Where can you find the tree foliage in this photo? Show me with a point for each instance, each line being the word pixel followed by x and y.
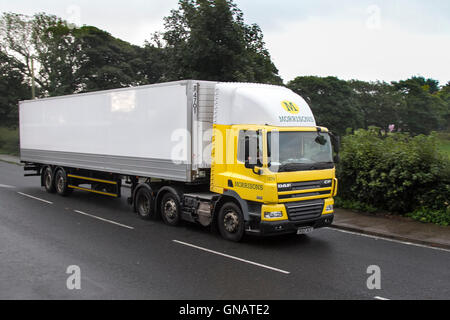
pixel 208 39
pixel 69 60
pixel 424 110
pixel 12 89
pixel 106 62
pixel 409 105
pixel 23 41
pixel 331 101
pixel 379 103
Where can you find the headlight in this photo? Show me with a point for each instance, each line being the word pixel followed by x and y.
pixel 329 208
pixel 273 215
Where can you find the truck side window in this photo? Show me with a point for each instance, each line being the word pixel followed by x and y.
pixel 254 136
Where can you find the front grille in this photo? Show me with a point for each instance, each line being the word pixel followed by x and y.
pixel 305 194
pixel 304 185
pixel 304 210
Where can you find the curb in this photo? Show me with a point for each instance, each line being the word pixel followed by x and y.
pixel 11 162
pixel 391 236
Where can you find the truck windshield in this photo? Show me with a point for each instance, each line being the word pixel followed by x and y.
pixel 297 151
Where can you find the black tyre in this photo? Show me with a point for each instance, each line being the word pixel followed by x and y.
pixel 144 204
pixel 47 179
pixel 170 209
pixel 231 222
pixel 61 184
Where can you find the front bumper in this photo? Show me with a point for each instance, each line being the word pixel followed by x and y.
pixel 267 228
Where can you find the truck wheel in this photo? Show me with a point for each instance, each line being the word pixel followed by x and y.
pixel 47 178
pixel 61 184
pixel 170 209
pixel 144 204
pixel 231 222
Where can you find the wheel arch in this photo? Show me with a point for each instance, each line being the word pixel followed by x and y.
pixel 232 196
pixel 177 191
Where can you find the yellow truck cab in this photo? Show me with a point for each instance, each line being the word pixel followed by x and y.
pixel 270 157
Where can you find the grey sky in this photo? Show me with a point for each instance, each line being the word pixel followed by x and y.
pixel 361 39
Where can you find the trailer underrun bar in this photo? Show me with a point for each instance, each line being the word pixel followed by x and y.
pixel 115 195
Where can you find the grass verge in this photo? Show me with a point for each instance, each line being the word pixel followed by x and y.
pixel 9 141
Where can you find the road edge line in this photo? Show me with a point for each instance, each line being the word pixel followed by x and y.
pixel 399 239
pixel 103 219
pixel 33 197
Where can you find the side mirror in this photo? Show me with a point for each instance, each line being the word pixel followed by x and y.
pixel 321 140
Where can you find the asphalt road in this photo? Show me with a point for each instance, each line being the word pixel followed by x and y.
pixel 123 257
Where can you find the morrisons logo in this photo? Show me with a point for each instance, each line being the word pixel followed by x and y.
pixel 248 185
pixel 295 119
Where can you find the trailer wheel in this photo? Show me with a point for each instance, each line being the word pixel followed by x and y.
pixel 61 183
pixel 170 209
pixel 144 204
pixel 47 178
pixel 231 222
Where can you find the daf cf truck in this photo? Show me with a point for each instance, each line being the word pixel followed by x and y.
pixel 245 158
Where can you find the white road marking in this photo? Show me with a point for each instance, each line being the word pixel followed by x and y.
pixel 102 219
pixel 232 257
pixel 380 298
pixel 387 239
pixel 27 195
pixel 6 186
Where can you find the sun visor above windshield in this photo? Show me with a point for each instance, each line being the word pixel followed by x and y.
pixel 248 103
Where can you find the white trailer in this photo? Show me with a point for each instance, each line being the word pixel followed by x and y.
pixel 152 131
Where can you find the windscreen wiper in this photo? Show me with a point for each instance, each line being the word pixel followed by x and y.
pixel 321 165
pixel 293 167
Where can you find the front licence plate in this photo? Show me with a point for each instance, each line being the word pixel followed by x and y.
pixel 304 230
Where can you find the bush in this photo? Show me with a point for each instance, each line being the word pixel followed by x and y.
pixel 394 172
pixel 441 217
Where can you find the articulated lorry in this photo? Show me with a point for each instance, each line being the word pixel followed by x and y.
pixel 243 158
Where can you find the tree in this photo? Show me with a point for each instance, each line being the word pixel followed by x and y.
pixel 330 100
pixel 208 40
pixel 21 40
pixel 12 89
pixel 154 61
pixel 60 61
pixel 379 103
pixel 444 95
pixel 430 85
pixel 423 112
pixel 70 60
pixel 106 62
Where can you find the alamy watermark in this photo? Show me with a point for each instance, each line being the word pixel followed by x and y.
pixel 73 282
pixel 73 16
pixel 373 21
pixel 374 280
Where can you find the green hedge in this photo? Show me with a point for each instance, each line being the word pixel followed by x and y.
pixel 394 172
